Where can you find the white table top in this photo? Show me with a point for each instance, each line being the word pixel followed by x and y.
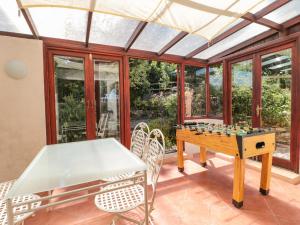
pixel 63 165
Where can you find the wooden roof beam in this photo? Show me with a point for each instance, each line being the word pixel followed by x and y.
pixel 138 30
pixel 268 23
pixel 173 42
pixel 88 29
pixel 273 6
pixel 29 20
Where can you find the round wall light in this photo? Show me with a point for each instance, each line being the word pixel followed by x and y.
pixel 16 69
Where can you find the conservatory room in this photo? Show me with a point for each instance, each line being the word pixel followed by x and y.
pixel 161 112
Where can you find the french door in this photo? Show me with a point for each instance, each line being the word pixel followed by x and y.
pixel 263 88
pixel 275 105
pixel 84 97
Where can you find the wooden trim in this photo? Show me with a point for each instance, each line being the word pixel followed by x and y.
pixel 29 20
pixel 75 46
pixel 296 128
pixel 225 92
pixel 126 100
pixel 182 92
pixel 17 35
pixel 207 91
pixel 273 6
pixel 89 91
pixel 47 96
pixel 291 22
pixel 88 28
pixel 138 30
pixel 173 42
pixel 256 89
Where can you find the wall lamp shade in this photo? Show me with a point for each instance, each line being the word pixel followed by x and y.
pixel 16 69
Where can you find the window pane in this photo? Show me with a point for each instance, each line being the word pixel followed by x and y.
pixel 276 98
pixel 11 20
pixel 286 12
pixel 107 98
pixel 195 91
pixel 187 45
pixel 242 92
pixel 111 30
pixel 216 90
pixel 154 37
pixel 69 99
pixel 60 23
pixel 153 97
pixel 234 39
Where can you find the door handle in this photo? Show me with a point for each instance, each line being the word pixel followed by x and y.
pixel 258 110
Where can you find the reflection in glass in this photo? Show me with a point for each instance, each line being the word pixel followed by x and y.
pixel 195 91
pixel 242 92
pixel 153 97
pixel 216 90
pixel 107 99
pixel 69 99
pixel 276 98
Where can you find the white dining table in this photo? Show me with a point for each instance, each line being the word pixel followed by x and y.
pixel 69 164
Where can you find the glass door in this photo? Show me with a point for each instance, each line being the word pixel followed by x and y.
pixel 107 98
pixel 70 107
pixel 242 92
pixel 275 111
pixel 84 97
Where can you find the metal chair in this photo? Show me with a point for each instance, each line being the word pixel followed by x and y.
pixel 139 138
pixel 125 199
pixel 138 147
pixel 4 188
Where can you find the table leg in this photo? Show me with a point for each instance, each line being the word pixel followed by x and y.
pixel 238 182
pixel 203 156
pixel 146 199
pixel 265 177
pixel 180 160
pixel 9 211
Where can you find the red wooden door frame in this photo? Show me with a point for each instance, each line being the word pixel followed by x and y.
pixel 89 92
pixel 123 137
pixel 50 93
pixel 293 163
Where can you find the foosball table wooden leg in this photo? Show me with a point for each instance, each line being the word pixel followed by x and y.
pixel 203 156
pixel 265 177
pixel 238 182
pixel 180 159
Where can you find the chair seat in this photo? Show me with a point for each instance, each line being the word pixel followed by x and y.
pixel 120 200
pixel 20 199
pixel 119 177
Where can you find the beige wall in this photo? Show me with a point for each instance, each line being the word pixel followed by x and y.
pixel 22 107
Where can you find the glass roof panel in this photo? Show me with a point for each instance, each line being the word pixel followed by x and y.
pixel 11 20
pixel 261 5
pixel 184 15
pixel 187 45
pixel 234 39
pixel 111 30
pixel 154 37
pixel 286 12
pixel 60 22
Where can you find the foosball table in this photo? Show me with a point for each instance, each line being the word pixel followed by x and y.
pixel 236 141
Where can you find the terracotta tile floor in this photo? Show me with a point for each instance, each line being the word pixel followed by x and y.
pixel 197 196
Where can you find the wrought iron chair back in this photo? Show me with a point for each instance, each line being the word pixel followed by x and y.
pixel 154 160
pixel 139 138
